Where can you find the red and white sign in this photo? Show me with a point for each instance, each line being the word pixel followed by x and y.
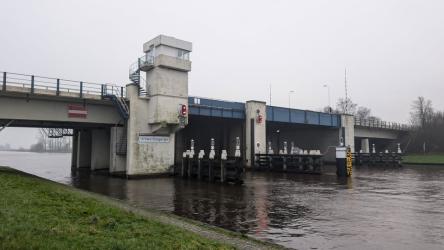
pixel 259 118
pixel 77 111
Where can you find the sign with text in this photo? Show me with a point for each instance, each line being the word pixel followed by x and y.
pixel 77 111
pixel 145 139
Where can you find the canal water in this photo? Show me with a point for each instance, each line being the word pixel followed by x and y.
pixel 378 208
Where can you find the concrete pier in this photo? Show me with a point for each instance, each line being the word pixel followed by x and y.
pixel 100 150
pixel 84 149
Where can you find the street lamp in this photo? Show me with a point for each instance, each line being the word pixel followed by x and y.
pixel 289 94
pixel 329 101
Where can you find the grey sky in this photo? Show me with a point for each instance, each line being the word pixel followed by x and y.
pixel 393 50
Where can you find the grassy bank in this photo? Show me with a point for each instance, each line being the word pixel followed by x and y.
pixel 437 159
pixel 36 213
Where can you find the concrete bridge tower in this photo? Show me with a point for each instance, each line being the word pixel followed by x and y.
pixel 156 115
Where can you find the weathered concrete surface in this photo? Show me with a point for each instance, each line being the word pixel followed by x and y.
pixel 100 141
pixel 252 110
pixel 348 131
pixel 117 163
pixel 146 159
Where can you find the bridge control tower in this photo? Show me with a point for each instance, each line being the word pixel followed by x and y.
pixel 158 106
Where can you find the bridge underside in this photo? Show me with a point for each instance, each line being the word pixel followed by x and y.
pixel 202 128
pixel 306 137
pixel 54 124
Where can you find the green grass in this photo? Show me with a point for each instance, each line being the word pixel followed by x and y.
pixel 424 159
pixel 37 214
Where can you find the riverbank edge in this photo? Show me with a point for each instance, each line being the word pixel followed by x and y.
pixel 210 232
pixel 427 159
pixel 423 164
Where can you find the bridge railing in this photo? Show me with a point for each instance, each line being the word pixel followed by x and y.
pixel 15 82
pixel 373 123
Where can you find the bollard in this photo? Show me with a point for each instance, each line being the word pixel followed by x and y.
pixel 270 149
pixel 284 164
pixel 211 160
pixel 399 148
pixel 190 159
pixel 199 164
pixel 184 157
pixel 223 158
pixel 237 153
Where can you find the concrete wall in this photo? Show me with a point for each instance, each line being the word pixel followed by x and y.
pixel 168 41
pixel 348 130
pixel 117 163
pixel 252 110
pixel 100 150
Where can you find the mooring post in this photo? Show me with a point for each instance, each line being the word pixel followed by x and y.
pixel 199 164
pixel 191 159
pixel 223 160
pixel 211 160
pixel 184 158
pixel 284 163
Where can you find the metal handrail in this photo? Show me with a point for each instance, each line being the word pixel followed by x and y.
pixel 144 60
pixel 372 123
pixel 30 83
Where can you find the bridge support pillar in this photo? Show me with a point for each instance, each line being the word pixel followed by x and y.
pixel 348 131
pixel 100 141
pixel 365 145
pixel 118 148
pixel 255 130
pixel 75 138
pixel 83 151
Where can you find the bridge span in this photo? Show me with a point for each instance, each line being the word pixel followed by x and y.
pixel 144 127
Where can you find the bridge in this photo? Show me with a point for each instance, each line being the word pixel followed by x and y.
pixel 143 128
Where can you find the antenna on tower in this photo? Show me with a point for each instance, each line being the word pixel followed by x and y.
pixel 346 91
pixel 270 93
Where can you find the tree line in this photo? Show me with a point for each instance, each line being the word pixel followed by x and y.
pixel 427 135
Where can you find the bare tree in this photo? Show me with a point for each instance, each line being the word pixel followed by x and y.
pixel 346 106
pixel 422 112
pixel 363 113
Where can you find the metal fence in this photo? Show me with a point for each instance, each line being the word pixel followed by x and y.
pixel 372 123
pixel 15 82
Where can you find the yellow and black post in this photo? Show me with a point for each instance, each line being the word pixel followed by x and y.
pixel 344 163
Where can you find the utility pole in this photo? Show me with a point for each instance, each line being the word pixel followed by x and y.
pixel 270 93
pixel 346 91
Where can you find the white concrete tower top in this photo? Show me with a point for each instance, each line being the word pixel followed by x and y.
pixel 167 45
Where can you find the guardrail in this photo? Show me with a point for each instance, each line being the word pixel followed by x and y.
pixel 32 84
pixel 143 61
pixel 370 123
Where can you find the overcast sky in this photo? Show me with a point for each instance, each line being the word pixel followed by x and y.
pixel 393 50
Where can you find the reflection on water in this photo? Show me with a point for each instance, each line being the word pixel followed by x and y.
pixel 389 208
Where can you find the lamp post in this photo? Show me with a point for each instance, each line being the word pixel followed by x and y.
pixel 329 101
pixel 289 95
